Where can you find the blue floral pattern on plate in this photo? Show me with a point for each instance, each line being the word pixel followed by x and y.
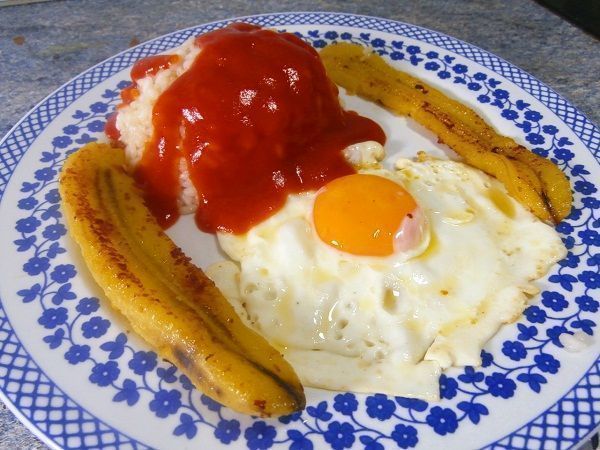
pixel 75 324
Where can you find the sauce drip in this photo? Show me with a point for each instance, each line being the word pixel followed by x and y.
pixel 142 68
pixel 255 118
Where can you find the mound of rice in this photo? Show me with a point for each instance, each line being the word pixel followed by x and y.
pixel 134 121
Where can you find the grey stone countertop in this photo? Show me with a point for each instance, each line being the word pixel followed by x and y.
pixel 43 45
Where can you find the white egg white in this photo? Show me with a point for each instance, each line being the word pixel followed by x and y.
pixel 391 325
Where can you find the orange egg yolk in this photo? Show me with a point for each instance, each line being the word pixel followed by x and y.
pixel 362 214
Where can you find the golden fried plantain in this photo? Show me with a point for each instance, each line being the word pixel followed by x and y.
pixel 535 182
pixel 168 301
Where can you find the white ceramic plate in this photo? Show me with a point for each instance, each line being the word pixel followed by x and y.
pixel 70 369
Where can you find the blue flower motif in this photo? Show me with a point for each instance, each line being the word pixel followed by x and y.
pixel 500 94
pixel 186 383
pixel 554 300
pixel 547 363
pixel 99 107
pixel 486 359
pixel 25 244
pixel 397 56
pixel 54 340
pixel 526 127
pixel 52 196
pixel 550 129
pixel 370 443
pixel 260 436
pixel 587 303
pixel 412 403
pixel 432 65
pixel 459 68
pixel 471 375
pixel 564 154
pixel 54 232
pixel 95 327
pixel 535 139
pixel 319 43
pixel 405 436
pixel 63 293
pixel 88 305
pixel 95 126
pixel 210 403
pixel 521 105
pixel 474 410
pixel 570 260
pixel 62 141
pixel 591 202
pixel 63 273
pixel 29 187
pixel 379 406
pixel 585 325
pixel 79 114
pixel 188 427
pixel 534 116
pixel 36 265
pixel 345 403
pixel 85 139
pixel 515 350
pixel 500 386
pixel 53 317
pixel 585 187
pixel 480 76
pixel 535 314
pixel 123 84
pixel 563 141
pixel 71 129
pixel 52 212
pixel 116 347
pixel 442 420
pixel 534 380
pixel 473 86
pixel 526 332
pixel 128 393
pixel 590 279
pixel 319 412
pixel 443 74
pixel 142 362
pixel 448 386
pixel 510 114
pixel 291 418
pixel 77 353
pixel 413 49
pixel 27 225
pixel 493 83
pixel 168 374
pixel 346 36
pixel 27 204
pixel 432 55
pixel 227 431
pixel 331 35
pixel 165 402
pixel 104 374
pixel 590 237
pixel 554 333
pixel 377 42
pixel 30 294
pixel 483 99
pixel 339 435
pixel 540 151
pixel 594 260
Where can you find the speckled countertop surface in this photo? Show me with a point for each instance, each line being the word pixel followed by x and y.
pixel 44 45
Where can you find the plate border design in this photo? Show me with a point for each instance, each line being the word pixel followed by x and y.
pixel 24 133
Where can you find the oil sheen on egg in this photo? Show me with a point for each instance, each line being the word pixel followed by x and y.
pixel 351 314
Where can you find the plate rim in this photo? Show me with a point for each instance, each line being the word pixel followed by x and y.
pixel 320 14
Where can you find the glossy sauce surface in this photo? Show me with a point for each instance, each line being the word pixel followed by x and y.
pixel 255 118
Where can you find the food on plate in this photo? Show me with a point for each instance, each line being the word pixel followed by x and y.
pixel 536 182
pixel 365 278
pixel 167 300
pixel 237 120
pixel 373 311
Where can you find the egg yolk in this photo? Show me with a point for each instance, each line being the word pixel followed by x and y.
pixel 362 214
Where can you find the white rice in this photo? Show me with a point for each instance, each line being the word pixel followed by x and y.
pixel 134 121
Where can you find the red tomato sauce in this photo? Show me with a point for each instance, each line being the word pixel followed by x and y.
pixel 255 118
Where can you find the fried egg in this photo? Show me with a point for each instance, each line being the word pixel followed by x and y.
pixel 382 279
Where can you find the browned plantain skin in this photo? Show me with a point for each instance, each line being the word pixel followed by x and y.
pixel 535 182
pixel 167 300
